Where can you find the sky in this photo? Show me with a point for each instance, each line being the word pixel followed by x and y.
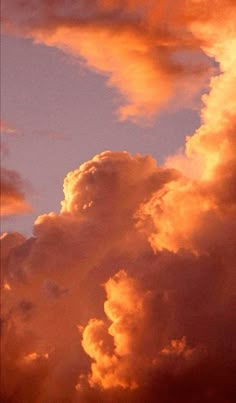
pixel 118 201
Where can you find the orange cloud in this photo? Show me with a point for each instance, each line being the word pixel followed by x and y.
pixel 12 197
pixel 163 314
pixel 124 308
pixel 181 210
pixel 166 327
pixel 144 53
pixel 6 128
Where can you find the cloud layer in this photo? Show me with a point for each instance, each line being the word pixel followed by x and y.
pixel 128 294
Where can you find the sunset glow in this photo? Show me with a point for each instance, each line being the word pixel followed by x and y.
pixel 125 291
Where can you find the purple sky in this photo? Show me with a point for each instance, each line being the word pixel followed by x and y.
pixel 64 115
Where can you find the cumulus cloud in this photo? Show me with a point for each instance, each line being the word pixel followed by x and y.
pixel 13 200
pixel 128 294
pixel 124 308
pixel 182 209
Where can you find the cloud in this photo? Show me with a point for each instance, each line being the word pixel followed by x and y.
pixel 168 315
pixel 13 200
pixel 128 294
pixel 6 128
pixel 149 55
pixel 50 134
pixel 124 308
pixel 4 150
pixel 182 209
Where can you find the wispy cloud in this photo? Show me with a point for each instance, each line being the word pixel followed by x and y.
pixel 50 134
pixel 6 128
pixel 13 201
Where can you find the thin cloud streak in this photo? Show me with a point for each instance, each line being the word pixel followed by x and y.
pixel 6 128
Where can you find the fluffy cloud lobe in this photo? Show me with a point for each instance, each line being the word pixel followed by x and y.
pixel 128 294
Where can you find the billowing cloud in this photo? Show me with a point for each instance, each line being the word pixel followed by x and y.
pixel 181 210
pixel 13 200
pixel 169 315
pixel 124 308
pixel 128 294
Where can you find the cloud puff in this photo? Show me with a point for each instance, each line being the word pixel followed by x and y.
pixel 6 128
pixel 12 195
